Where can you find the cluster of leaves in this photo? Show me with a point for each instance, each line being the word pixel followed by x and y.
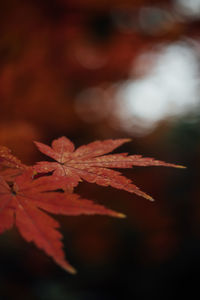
pixel 27 191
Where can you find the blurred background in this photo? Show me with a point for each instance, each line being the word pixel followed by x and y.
pixel 93 70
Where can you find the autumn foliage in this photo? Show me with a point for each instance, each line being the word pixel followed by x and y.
pixel 28 192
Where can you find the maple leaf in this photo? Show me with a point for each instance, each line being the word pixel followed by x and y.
pixel 21 203
pixel 90 163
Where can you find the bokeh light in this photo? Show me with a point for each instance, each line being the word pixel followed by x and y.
pixel 170 89
pixel 189 8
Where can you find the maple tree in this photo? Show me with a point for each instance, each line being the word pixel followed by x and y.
pixel 26 192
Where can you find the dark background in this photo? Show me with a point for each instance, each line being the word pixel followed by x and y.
pixel 61 63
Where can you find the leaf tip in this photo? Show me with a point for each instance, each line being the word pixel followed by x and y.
pixel 122 216
pixel 181 167
pixel 66 266
pixel 70 270
pixel 149 198
pixel 127 140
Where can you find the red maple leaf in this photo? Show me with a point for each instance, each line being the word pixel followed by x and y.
pixel 21 203
pixel 90 163
pixel 25 194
